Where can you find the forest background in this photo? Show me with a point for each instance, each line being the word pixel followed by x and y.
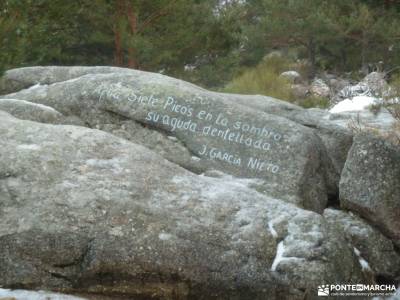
pixel 220 45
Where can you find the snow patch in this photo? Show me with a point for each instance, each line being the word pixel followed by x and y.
pixel 112 165
pixel 172 138
pixel 280 251
pixel 357 103
pixel 364 264
pixel 35 295
pixel 29 147
pixel 164 236
pixel 37 85
pixel 71 80
pixel 227 183
pixel 272 229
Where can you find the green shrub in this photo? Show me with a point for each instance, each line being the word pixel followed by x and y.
pixel 263 79
pixel 314 101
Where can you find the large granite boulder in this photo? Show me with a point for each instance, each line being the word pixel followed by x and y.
pixel 337 139
pixel 376 252
pixel 200 130
pixel 84 211
pixel 370 183
pixel 31 77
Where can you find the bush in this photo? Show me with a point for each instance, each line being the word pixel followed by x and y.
pixel 314 101
pixel 263 79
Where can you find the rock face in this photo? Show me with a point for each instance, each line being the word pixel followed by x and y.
pixel 103 215
pixel 122 184
pixel 300 91
pixel 350 91
pixel 337 139
pixel 376 82
pixel 376 252
pixel 291 76
pixel 320 88
pixel 207 131
pixel 370 183
pixel 6 294
pixel 22 78
pixel 30 111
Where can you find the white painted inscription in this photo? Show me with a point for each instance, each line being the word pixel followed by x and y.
pixel 176 116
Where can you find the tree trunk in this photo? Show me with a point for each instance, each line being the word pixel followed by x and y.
pixel 132 19
pixel 343 56
pixel 118 51
pixel 312 57
pixel 364 46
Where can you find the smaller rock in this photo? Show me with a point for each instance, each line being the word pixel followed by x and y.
pixel 337 84
pixel 320 88
pixel 275 53
pixel 370 183
pixel 376 82
pixel 375 249
pixel 291 76
pixel 300 91
pixel 351 91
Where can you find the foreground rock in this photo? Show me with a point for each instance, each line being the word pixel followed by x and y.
pixel 200 130
pixel 31 295
pixel 370 183
pixel 83 211
pixel 376 252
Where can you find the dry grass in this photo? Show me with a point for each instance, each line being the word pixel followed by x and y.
pixel 264 79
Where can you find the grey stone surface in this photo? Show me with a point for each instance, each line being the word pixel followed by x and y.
pixel 211 131
pixel 337 140
pixel 377 83
pixel 291 76
pixel 376 249
pixel 84 211
pixel 381 121
pixel 370 183
pixel 319 88
pixel 300 91
pixel 30 111
pixel 21 78
pixel 8 294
